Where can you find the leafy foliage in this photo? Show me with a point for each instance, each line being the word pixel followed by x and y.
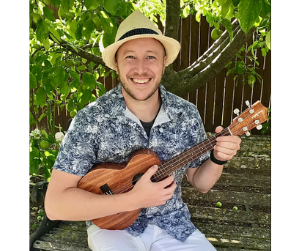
pixel 68 36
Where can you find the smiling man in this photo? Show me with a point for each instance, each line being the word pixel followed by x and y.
pixel 139 113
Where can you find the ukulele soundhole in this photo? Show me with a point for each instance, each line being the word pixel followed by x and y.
pixel 136 178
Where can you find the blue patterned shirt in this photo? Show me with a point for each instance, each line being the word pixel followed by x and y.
pixel 106 131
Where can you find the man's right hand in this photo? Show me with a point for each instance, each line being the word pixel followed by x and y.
pixel 149 194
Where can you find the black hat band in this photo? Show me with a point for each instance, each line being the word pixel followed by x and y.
pixel 139 31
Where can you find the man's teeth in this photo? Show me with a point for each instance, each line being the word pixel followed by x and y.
pixel 141 81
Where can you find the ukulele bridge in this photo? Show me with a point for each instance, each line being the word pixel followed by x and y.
pixel 106 190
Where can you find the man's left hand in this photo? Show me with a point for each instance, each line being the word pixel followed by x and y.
pixel 226 146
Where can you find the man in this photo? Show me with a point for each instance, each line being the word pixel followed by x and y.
pixel 138 113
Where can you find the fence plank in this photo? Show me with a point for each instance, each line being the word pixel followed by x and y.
pixel 194 50
pixel 185 34
pixel 259 70
pixel 219 98
pixel 108 81
pixel 209 106
pixel 238 93
pixel 201 101
pixel 176 64
pixel 267 81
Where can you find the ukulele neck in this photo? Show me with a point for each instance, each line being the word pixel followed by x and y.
pixel 187 156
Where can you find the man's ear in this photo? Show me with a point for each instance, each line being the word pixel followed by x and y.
pixel 116 64
pixel 165 59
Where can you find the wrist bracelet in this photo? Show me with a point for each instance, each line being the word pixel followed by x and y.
pixel 213 159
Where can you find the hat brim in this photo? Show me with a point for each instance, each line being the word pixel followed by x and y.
pixel 171 45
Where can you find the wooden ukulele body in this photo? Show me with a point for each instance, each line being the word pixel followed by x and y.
pixel 112 178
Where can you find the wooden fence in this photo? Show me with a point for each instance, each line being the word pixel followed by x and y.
pixel 217 99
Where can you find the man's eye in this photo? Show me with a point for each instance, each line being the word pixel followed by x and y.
pixel 151 57
pixel 131 57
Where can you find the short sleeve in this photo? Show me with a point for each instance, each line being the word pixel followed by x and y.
pixel 77 151
pixel 200 136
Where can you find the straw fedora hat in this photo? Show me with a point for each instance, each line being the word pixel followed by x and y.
pixel 136 25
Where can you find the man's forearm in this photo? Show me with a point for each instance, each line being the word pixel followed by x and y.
pixel 206 176
pixel 91 206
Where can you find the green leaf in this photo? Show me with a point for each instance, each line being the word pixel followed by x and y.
pixel 58 75
pixel 47 173
pixel 49 14
pixel 56 3
pixel 198 16
pixel 70 105
pixel 88 28
pixel 85 98
pixel 55 35
pixel 265 9
pixel 42 31
pixel 34 160
pixel 41 117
pixel 67 4
pixel 228 26
pixel 72 28
pixel 186 11
pixel 64 88
pixel 37 72
pixel 89 80
pixel 33 83
pixel 108 39
pixel 225 8
pixel 251 79
pixel 74 84
pixel 248 13
pixel 54 57
pixel 91 4
pixel 31 119
pixel 101 87
pixel 235 2
pixel 81 68
pixel 111 6
pixel 74 75
pixel 268 40
pixel 79 31
pixel 106 22
pixel 46 43
pixel 50 85
pixel 41 96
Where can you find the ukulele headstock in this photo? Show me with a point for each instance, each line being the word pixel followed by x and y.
pixel 252 117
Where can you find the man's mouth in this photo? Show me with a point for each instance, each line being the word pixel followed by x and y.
pixel 140 81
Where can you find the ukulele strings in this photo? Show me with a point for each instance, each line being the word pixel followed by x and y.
pixel 161 173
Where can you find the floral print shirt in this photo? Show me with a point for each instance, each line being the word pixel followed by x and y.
pixel 106 131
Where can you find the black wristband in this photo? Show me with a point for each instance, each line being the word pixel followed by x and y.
pixel 213 159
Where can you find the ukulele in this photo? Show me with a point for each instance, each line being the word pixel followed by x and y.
pixel 115 178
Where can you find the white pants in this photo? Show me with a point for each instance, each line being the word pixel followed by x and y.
pixel 153 239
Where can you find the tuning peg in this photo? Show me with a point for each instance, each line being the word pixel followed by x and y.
pixel 247 133
pixel 245 129
pixel 236 111
pixel 240 120
pixel 259 127
pixel 247 103
pixel 251 111
pixel 256 122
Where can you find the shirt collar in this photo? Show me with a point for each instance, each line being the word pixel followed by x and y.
pixel 117 106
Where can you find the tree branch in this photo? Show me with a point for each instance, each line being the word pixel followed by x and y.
pixel 209 55
pixel 82 53
pixel 190 84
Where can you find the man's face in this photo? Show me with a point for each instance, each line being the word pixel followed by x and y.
pixel 141 63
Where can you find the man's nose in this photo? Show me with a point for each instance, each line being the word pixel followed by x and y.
pixel 140 67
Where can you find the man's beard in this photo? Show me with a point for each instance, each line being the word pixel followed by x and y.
pixel 129 92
